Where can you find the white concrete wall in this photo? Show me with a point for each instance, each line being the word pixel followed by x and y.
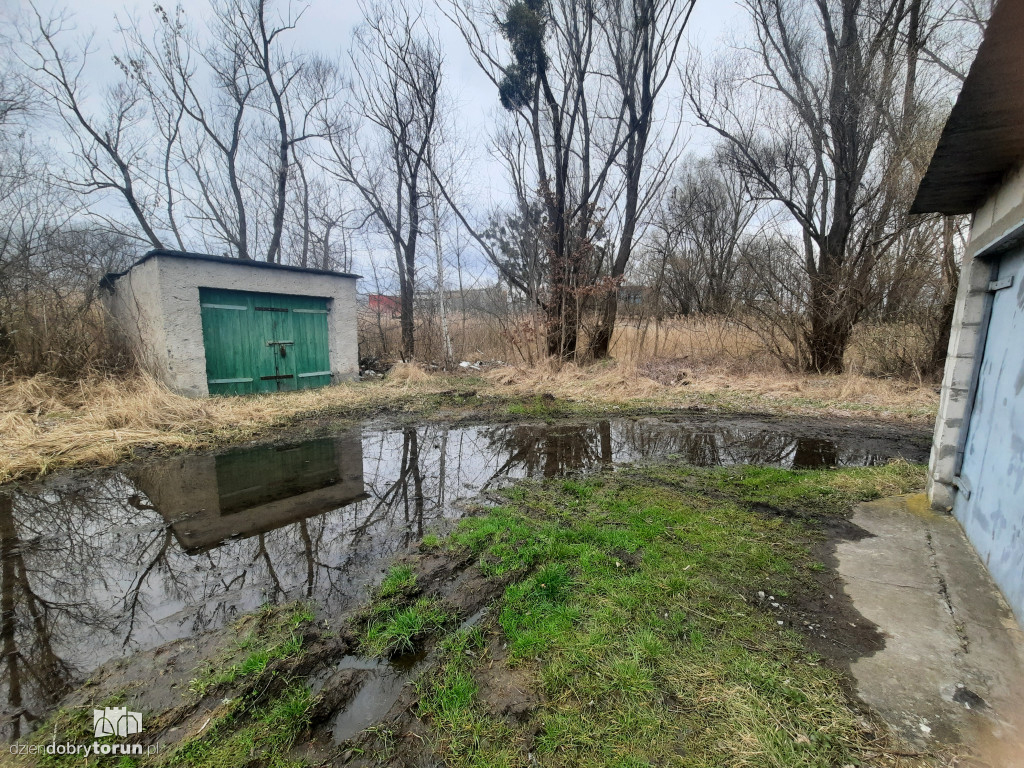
pixel 157 305
pixel 134 307
pixel 999 217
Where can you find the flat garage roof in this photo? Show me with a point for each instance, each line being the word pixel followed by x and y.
pixel 111 277
pixel 984 136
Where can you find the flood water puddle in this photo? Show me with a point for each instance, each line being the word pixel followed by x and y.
pixel 97 565
pixel 382 687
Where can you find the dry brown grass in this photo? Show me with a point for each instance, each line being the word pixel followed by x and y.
pixel 704 339
pixel 678 383
pixel 895 349
pixel 408 374
pixel 46 424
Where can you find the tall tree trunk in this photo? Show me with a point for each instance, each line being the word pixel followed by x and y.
pixel 951 276
pixel 830 324
pixel 449 354
pixel 281 190
pixel 304 255
pixel 562 321
pixel 408 285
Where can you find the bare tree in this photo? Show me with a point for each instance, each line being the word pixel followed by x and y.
pixel 643 40
pixel 397 92
pixel 947 34
pixel 112 147
pixel 581 88
pixel 233 107
pixel 704 231
pixel 825 79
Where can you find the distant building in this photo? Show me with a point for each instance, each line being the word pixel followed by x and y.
pixel 384 305
pixel 634 299
pixel 977 461
pixel 210 325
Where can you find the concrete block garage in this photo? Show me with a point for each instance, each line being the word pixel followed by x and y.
pixel 209 325
pixel 977 460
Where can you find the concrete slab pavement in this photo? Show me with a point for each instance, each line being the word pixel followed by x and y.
pixel 951 674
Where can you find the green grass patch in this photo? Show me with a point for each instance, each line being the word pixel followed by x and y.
pixel 430 541
pixel 399 581
pixel 244 734
pixel 270 634
pixel 538 406
pixel 447 700
pixel 398 632
pixel 248 730
pixel 827 491
pixel 628 604
pixel 396 620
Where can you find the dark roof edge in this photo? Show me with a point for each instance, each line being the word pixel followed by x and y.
pixel 982 141
pixel 111 277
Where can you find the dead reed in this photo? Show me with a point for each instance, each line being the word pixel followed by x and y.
pixel 46 423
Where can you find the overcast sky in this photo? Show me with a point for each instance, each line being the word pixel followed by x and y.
pixel 326 27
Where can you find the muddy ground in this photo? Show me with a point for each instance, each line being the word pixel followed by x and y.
pixel 162 682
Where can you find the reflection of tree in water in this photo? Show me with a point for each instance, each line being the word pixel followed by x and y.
pixel 549 450
pixel 91 568
pixel 811 453
pixel 26 624
pixel 720 444
pixel 541 450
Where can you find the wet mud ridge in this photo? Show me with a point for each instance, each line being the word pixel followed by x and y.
pixel 188 684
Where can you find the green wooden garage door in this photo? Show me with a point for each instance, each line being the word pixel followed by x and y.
pixel 263 342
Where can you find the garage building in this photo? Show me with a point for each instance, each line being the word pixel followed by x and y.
pixel 209 325
pixel 977 460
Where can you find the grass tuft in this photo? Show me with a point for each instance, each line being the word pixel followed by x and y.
pixel 266 636
pixel 397 632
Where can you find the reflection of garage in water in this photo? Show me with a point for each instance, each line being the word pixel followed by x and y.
pixel 209 498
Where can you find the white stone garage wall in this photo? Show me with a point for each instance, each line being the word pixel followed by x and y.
pixel 133 305
pixel 998 219
pixel 156 305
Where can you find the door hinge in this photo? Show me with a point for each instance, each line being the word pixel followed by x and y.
pixel 961 484
pixel 998 285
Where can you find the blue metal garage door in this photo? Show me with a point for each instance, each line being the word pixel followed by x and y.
pixel 990 505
